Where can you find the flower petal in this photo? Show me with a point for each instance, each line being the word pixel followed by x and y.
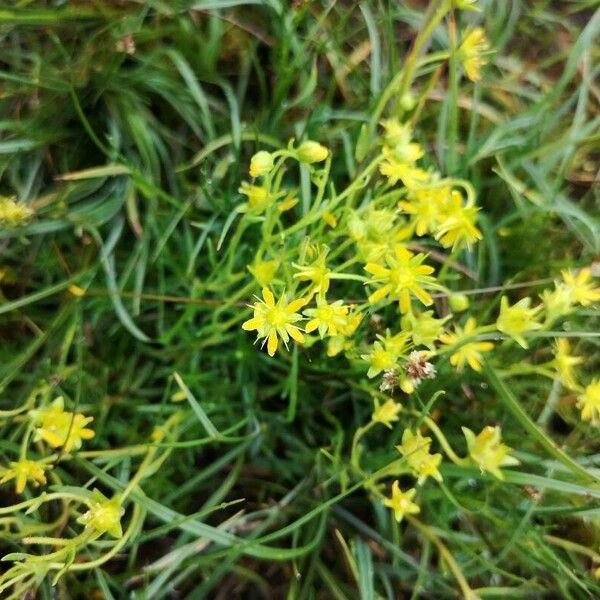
pixel 295 333
pixel 268 297
pixel 380 294
pixel 251 324
pixel 272 343
pixel 376 270
pixel 311 325
pixel 295 305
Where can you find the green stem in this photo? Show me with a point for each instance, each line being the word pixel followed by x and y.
pixel 354 455
pixel 402 81
pixel 451 161
pixel 441 438
pixel 466 590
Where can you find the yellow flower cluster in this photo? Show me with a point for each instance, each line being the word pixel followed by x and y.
pixel 58 428
pixel 377 242
pixel 412 202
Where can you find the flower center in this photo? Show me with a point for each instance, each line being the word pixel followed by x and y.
pixel 276 317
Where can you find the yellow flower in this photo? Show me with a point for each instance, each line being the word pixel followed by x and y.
pixel 338 343
pixel 335 345
pixel 316 272
pixel 405 275
pixel 272 319
pixel 470 53
pixel 487 451
pixel 469 353
pixel 58 427
pixel 557 302
pixel 401 502
pixel 424 328
pixel 13 213
pixel 104 515
pixel 516 320
pixel 563 362
pixel 580 286
pixel 457 223
pixel 376 232
pixel 589 403
pixel 264 271
pixel 423 464
pixel 396 170
pixel 425 204
pixel 357 226
pixel 259 198
pixel 352 323
pixel 312 152
pixel 261 164
pixel 386 413
pixel 329 319
pixel 379 359
pixel 385 353
pixel 22 471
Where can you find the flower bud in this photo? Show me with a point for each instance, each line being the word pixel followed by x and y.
pixel 407 386
pixel 261 164
pixel 458 302
pixel 407 101
pixel 312 152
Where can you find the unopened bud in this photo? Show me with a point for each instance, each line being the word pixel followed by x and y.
pixel 312 152
pixel 261 164
pixel 458 302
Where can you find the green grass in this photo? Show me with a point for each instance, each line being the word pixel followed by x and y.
pixel 132 163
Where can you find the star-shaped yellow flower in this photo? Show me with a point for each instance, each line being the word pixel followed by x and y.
pixel 401 502
pixel 581 287
pixel 404 275
pixel 517 319
pixel 273 320
pixel 486 450
pixel 386 413
pixel 329 319
pixel 457 223
pixel 469 353
pixel 58 427
pixel 563 362
pixel 104 515
pixel 22 471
